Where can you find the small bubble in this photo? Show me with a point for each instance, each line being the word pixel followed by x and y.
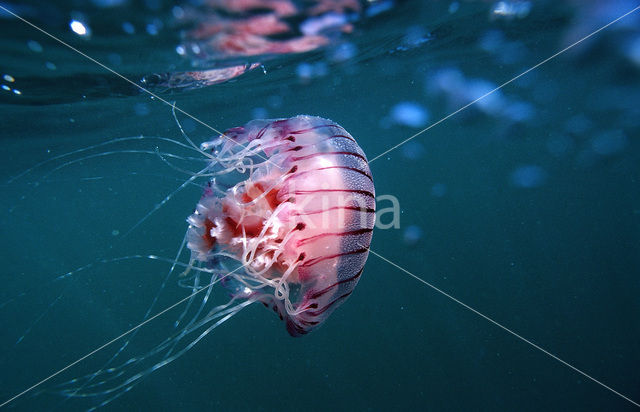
pixel 50 66
pixel 343 52
pixel 413 150
pixel 16 91
pixel 9 78
pixel 178 12
pixel 5 87
pixel 410 114
pixel 609 143
pixel 412 235
pixel 34 46
pixel 518 111
pixel 438 190
pixel 489 99
pixel 79 28
pixel 528 176
pixel 450 81
pixel 154 28
pixel 304 71
pixel 259 113
pixel 511 9
pixel 128 28
pixel 378 7
pixel 115 232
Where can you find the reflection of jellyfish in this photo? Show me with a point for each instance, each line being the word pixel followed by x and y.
pixel 286 219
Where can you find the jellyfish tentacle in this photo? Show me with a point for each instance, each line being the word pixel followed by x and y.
pixel 119 379
pixel 96 146
pixel 164 201
pixel 184 134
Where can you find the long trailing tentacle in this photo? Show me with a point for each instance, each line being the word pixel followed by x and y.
pixel 110 153
pixel 113 381
pixel 96 146
pixel 126 343
pixel 117 381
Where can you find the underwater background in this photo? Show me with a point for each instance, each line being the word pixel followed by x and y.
pixel 525 205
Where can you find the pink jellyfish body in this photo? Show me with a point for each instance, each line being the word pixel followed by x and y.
pixel 288 215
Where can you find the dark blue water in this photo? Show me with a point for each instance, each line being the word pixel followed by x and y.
pixel 524 206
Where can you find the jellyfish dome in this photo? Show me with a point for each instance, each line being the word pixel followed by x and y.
pixel 287 216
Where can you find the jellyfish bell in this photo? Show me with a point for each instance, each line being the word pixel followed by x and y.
pixel 298 224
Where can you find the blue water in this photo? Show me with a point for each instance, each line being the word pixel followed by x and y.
pixel 524 206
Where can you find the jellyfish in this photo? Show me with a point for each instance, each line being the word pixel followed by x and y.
pixel 285 219
pixel 300 224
